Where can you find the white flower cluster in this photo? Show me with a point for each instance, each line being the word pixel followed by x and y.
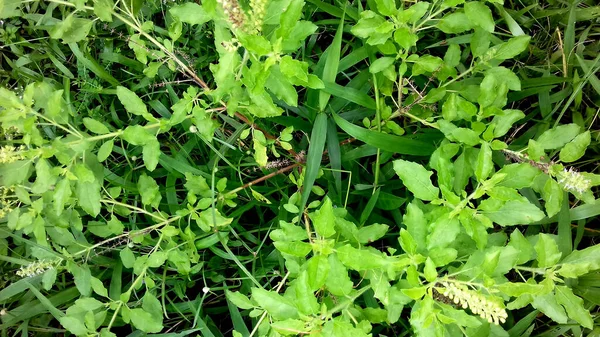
pixel 9 154
pixel 488 308
pixel 573 181
pixel 35 268
pixel 257 14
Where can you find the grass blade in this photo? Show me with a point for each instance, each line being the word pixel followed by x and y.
pixel 335 155
pixel 332 63
pixel 350 94
pixel 395 144
pixel 314 156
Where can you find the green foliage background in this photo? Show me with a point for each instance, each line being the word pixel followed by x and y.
pixel 282 167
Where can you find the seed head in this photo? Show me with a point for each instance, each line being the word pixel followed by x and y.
pixel 35 268
pixel 490 308
pixel 233 11
pixel 573 181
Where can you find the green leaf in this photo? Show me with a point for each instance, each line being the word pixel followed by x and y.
pixel 255 44
pixel 145 321
pixel 277 306
pixel 381 64
pixel 455 23
pixel 518 175
pixel 105 150
pixel 151 153
pixel 371 233
pixel 71 29
pixel 338 282
pixel 62 192
pixel 95 126
pixel 290 327
pixel 574 306
pixel 324 219
pixel 332 62
pixel 191 13
pixel 239 299
pixel 149 191
pixel 516 289
pixel 484 165
pixel 314 156
pixel 552 194
pixel 260 148
pixel 9 8
pixel 575 149
pixel 512 212
pixel 98 287
pixel 548 305
pixel 305 298
pixel 137 135
pixel 416 225
pixel 299 249
pixel 505 121
pixel 127 257
pixel 581 262
pixel 559 136
pixel 480 15
pixel 103 9
pixel 74 325
pixel 443 232
pixel 318 271
pixel 359 259
pixel 547 251
pixel 510 48
pixel 132 103
pixel 88 195
pixel 405 37
pixel 416 179
pixel 386 7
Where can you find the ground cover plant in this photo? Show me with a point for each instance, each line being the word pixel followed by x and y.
pixel 291 167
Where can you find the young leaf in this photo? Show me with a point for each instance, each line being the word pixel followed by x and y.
pixel 480 15
pixel 324 219
pixel 547 251
pixel 132 103
pixel 277 306
pixel 416 179
pixel 574 306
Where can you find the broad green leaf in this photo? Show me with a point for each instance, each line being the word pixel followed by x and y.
pixel 240 300
pixel 548 305
pixel 132 103
pixel 521 244
pixel 574 306
pixel 145 321
pixel 575 149
pixel 95 126
pixel 557 137
pixel 137 135
pixel 516 289
pixel 127 257
pixel 581 262
pixel 149 191
pixel 518 175
pixel 511 213
pixel 324 219
pixel 480 42
pixel 386 7
pixel 318 271
pixel 416 225
pixel 45 178
pixel 359 259
pixel 260 148
pixel 105 150
pixel 289 327
pixel 62 192
pixel 9 8
pixel 443 231
pixel 416 179
pixel 505 121
pixel 413 13
pixel 405 37
pixel 71 29
pixel 191 13
pixel 256 44
pixel 547 251
pixel 510 48
pixel 338 282
pixel 455 23
pixel 371 233
pixel 103 9
pixel 381 64
pixel 151 153
pixel 73 325
pixel 305 298
pixel 552 194
pixel 299 249
pixel 277 306
pixel 88 195
pixel 480 15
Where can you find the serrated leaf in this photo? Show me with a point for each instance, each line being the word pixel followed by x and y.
pixel 547 251
pixel 480 15
pixel 277 306
pixel 416 179
pixel 324 219
pixel 574 306
pixel 581 262
pixel 575 149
